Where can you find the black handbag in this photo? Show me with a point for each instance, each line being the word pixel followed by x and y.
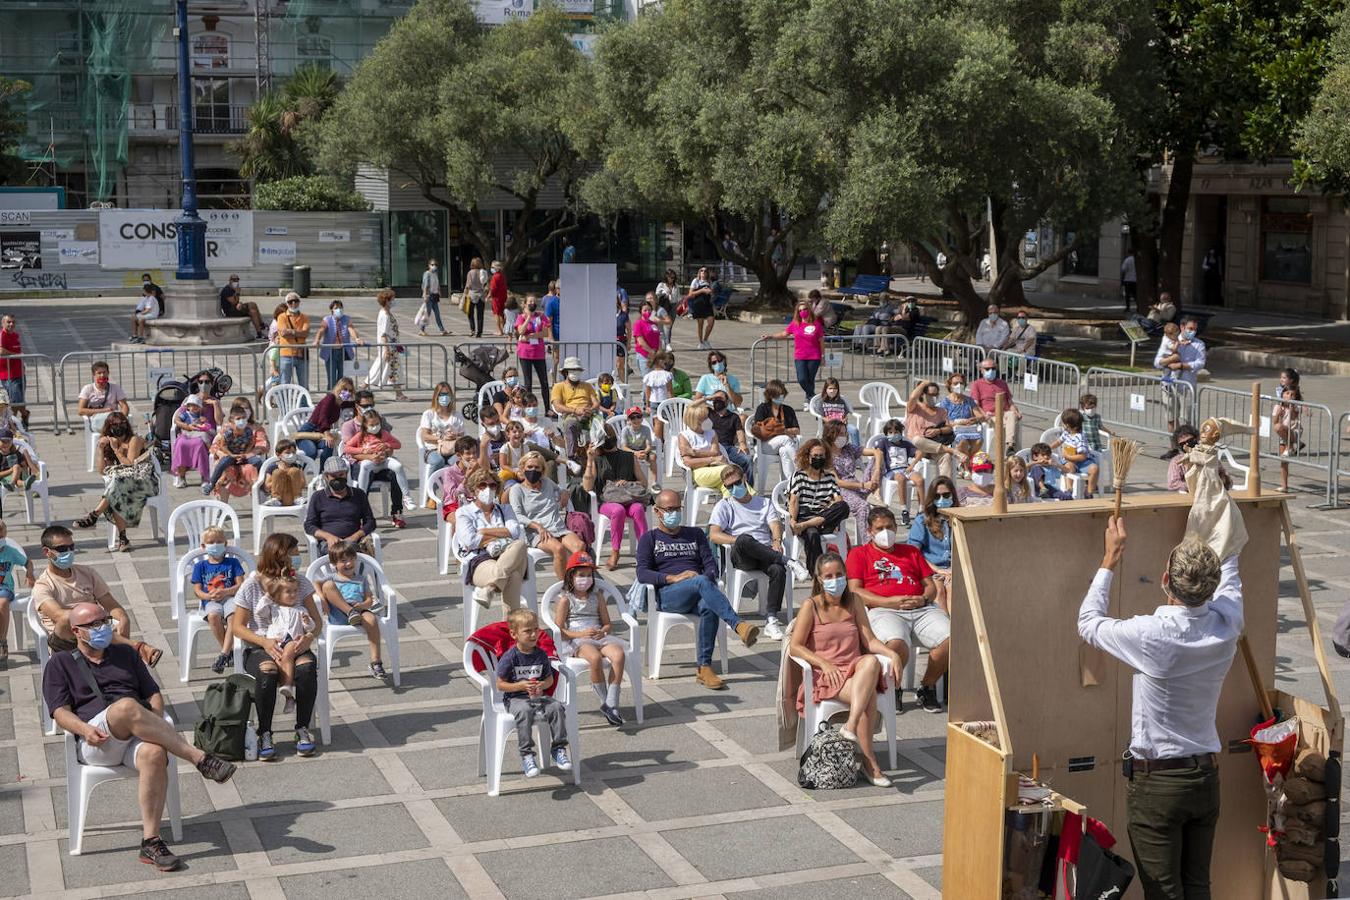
pixel 1101 874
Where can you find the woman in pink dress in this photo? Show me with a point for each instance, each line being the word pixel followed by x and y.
pixel 831 632
pixel 807 331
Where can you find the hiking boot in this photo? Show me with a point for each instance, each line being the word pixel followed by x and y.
pixel 747 633
pixel 154 852
pixel 773 629
pixel 928 699
pixel 215 768
pixel 267 751
pixel 708 678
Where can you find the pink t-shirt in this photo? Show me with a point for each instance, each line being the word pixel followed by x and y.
pixel 807 338
pixel 983 392
pixel 535 328
pixel 646 337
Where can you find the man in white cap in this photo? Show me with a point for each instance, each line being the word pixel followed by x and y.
pixel 103 694
pixel 574 402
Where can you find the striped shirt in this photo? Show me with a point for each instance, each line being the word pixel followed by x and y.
pixel 812 495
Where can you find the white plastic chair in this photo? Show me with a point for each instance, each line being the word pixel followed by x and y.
pixel 660 623
pixel 735 581
pixel 632 660
pixel 1077 483
pixel 30 615
pixel 486 391
pixel 289 423
pixel 321 702
pixel 82 778
pixel 90 441
pixel 879 399
pixel 816 713
pixel 39 487
pixel 497 726
pixel 285 398
pixel 322 569
pixel 602 529
pixel 671 412
pixel 1235 467
pixel 445 530
pixel 194 517
pixel 263 513
pixel 694 496
pixel 190 625
pixel 791 542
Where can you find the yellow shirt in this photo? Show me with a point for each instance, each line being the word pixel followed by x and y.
pixel 295 322
pixel 565 394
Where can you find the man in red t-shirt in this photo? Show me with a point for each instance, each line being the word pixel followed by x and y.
pixel 896 584
pixel 988 386
pixel 11 371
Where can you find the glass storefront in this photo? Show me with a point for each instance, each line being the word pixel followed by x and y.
pixel 416 236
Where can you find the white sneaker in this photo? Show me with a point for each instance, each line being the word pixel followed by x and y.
pixel 409 504
pixel 798 570
pixel 179 481
pixel 773 629
pixel 483 596
pixel 271 501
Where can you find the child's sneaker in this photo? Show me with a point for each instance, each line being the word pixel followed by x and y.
pixel 179 481
pixel 528 765
pixel 377 671
pixel 354 618
pixel 222 660
pixel 409 504
pixel 611 715
pixel 304 742
pixel 272 501
pixel 560 759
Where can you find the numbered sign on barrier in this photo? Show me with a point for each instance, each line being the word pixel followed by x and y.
pixel 1265 426
pixel 155 375
pixel 1137 402
pixel 948 365
pixel 1029 382
pixel 356 369
pixel 834 360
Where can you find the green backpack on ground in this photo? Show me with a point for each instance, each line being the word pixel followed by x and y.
pixel 225 713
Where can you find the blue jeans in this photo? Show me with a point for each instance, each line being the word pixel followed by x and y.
pixel 436 461
pixel 700 594
pixel 434 309
pixel 295 370
pixel 736 457
pixel 226 461
pixel 806 375
pixel 333 366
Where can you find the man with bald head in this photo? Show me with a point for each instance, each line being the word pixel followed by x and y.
pixel 678 561
pixel 103 694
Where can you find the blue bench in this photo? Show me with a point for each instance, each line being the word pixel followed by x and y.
pixel 868 286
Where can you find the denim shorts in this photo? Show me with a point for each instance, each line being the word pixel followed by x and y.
pixel 14 387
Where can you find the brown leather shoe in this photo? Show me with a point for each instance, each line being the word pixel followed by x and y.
pixel 747 633
pixel 708 678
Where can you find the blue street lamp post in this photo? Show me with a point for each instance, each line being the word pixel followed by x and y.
pixel 191 228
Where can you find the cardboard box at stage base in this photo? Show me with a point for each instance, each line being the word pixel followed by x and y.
pixel 1018 580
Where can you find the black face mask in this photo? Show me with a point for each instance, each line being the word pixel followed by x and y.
pixel 337 485
pixel 534 476
pixel 817 462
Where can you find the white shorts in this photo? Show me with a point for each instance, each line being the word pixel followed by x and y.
pixel 147 316
pixel 113 751
pixel 928 625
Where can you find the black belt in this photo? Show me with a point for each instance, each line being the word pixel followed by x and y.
pixel 1131 766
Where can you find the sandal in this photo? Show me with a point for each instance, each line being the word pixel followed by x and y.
pixel 88 521
pixel 4 653
pixel 613 562
pixel 149 655
pixel 123 542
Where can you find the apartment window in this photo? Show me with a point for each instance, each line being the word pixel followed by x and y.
pixel 1286 240
pixel 1082 259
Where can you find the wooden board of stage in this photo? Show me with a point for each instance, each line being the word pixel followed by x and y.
pixel 1070 706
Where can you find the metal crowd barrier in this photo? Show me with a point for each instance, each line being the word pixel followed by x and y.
pixel 422 365
pixel 39 386
pixel 932 359
pixel 1139 401
pixel 1314 447
pixel 1038 383
pixel 139 372
pixel 1338 444
pixel 595 356
pixel 850 358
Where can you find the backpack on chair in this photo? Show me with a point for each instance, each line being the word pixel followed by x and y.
pixel 225 714
pixel 829 762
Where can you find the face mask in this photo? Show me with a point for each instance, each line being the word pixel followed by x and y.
pixel 510 381
pixel 1088 412
pixel 347 415
pixel 574 376
pixel 993 317
pixel 336 311
pixel 337 485
pixel 583 582
pixel 99 638
pixel 493 430
pixel 885 538
pixel 958 387
pixel 834 586
pixel 990 374
pixel 432 267
pixel 803 314
pixel 943 502
pixel 646 314
pixel 531 412
pixel 720 405
pixel 100 380
pixel 240 423
pixel 372 429
pixel 296 562
pixel 671 518
pixel 64 559
pixel 293 307
pixel 817 462
pixel 288 457
pixel 1188 335
pixel 930 399
pixel 443 399
pixel 534 476
pixel 841 440
pixel 485 495
pixel 739 490
pixel 606 388
pixel 719 367
pixel 776 401
pixel 215 551
pixel 344 396
pixel 531 306
pixel 1021 323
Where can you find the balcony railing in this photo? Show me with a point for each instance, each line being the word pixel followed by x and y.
pixel 206 119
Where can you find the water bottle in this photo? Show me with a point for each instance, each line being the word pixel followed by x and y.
pixel 250 743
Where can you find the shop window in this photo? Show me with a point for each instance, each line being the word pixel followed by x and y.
pixel 1082 259
pixel 1286 240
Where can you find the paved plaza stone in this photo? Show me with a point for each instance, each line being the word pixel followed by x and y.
pixel 696 802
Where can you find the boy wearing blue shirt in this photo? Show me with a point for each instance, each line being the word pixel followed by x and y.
pixel 215 580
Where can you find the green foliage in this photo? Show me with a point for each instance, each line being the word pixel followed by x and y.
pixel 12 127
pixel 1323 140
pixel 281 124
pixel 308 193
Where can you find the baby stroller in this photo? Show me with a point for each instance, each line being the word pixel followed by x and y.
pixel 169 397
pixel 476 367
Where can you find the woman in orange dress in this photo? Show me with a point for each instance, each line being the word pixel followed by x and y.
pixel 831 632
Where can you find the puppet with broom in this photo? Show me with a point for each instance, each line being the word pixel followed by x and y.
pixel 1181 654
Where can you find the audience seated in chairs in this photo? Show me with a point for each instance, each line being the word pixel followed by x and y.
pixel 619 482
pixel 539 503
pixel 287 482
pixel 931 533
pixel 196 422
pixel 492 547
pixel 340 512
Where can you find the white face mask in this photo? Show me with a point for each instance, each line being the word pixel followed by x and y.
pixel 885 538
pixel 583 582
pixel 288 457
pixel 574 376
pixel 372 429
pixel 485 496
pixel 841 441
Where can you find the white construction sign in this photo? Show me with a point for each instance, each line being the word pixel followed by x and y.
pixel 148 238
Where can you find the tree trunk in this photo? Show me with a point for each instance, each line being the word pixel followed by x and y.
pixel 1172 233
pixel 1144 244
pixel 869 263
pixel 972 306
pixel 773 283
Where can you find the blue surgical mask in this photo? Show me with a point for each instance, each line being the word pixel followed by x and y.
pixel 531 412
pixel 215 551
pixel 719 367
pixel 896 439
pixel 777 401
pixel 65 559
pixel 443 399
pixel 943 502
pixel 1188 334
pixel 671 518
pixel 99 638
pixel 990 374
pixel 739 490
pixel 834 586
pixel 510 380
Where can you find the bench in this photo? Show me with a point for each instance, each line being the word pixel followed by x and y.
pixel 868 286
